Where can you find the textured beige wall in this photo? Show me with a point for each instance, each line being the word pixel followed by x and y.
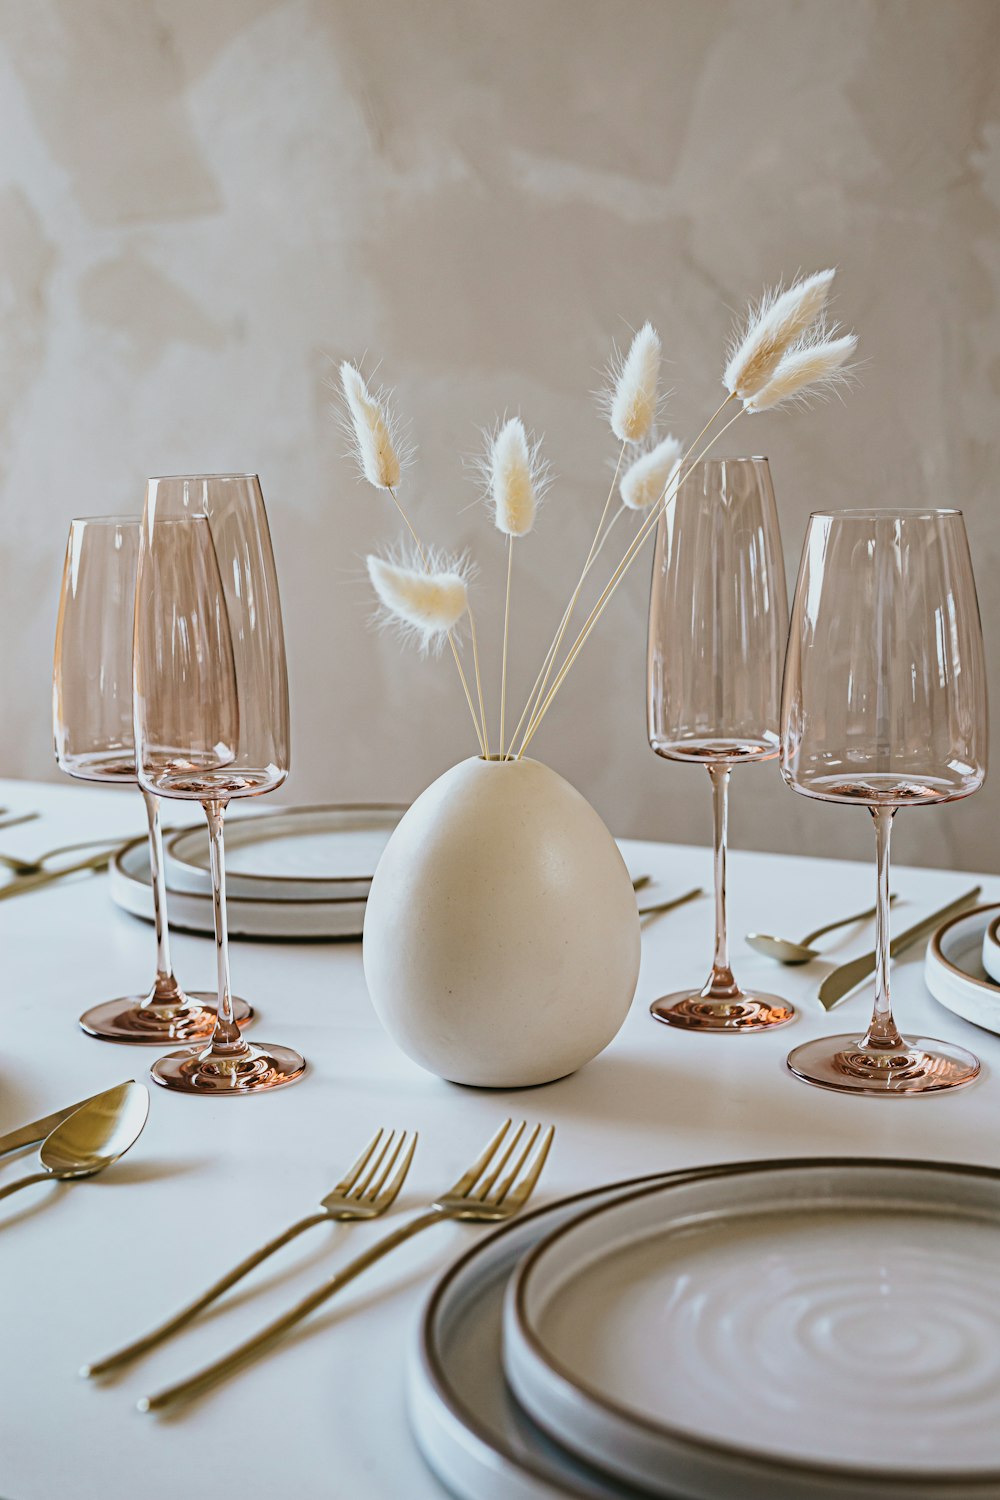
pixel 202 205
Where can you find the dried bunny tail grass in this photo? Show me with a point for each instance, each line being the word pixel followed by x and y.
pixel 424 604
pixel 772 327
pixel 373 430
pixel 646 479
pixel 631 396
pixel 811 369
pixel 513 475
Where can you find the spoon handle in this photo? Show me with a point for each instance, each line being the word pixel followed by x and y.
pixel 21 1182
pixel 859 916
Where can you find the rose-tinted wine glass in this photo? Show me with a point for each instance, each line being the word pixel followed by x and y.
pixel 718 620
pixel 884 704
pixel 92 727
pixel 211 709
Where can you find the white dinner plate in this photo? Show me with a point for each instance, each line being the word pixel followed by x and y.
pixel 470 1430
pixel 187 911
pixel 792 1331
pixel 293 854
pixel 954 972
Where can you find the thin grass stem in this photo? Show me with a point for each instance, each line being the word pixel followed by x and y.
pixel 480 733
pixel 506 631
pixel 669 495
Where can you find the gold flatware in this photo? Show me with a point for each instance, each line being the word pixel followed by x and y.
pixel 787 952
pixel 365 1192
pixel 653 911
pixel 37 1130
pixel 640 882
pixel 16 822
pixel 91 1138
pixel 838 985
pixel 19 885
pixel 37 866
pixel 481 1195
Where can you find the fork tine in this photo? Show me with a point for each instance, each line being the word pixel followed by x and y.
pixel 523 1192
pixel 469 1178
pixel 389 1158
pixel 361 1187
pixel 346 1183
pixel 482 1188
pixel 504 1187
pixel 388 1195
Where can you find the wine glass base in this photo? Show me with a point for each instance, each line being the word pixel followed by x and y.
pixel 198 1071
pixel 128 1020
pixel 924 1066
pixel 695 1012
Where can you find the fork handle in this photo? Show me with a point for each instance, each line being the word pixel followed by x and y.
pixel 186 1315
pixel 13 1187
pixel 244 1353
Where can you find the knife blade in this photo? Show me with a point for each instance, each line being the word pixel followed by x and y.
pixel 845 979
pixel 37 1130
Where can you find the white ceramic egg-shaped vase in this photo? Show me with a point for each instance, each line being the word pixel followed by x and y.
pixel 501 941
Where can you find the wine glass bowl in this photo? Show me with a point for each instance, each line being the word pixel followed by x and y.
pixel 718 618
pixel 92 724
pixel 884 704
pixel 211 710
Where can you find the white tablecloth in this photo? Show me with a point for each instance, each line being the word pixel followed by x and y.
pixel 86 1267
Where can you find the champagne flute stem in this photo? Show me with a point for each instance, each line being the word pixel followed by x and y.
pixel 226 1038
pixel 882 1032
pixel 721 984
pixel 165 992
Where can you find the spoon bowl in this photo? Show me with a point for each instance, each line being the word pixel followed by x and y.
pixel 97 1134
pixel 784 951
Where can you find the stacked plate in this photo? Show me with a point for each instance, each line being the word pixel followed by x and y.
pixel 301 872
pixel 962 967
pixel 769 1331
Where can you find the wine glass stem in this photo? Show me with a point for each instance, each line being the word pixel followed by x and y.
pixel 226 1038
pixel 721 984
pixel 882 1033
pixel 165 991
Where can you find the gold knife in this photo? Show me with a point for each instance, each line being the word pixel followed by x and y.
pixel 37 1130
pixel 844 980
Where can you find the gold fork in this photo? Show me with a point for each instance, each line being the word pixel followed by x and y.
pixel 365 1192
pixel 481 1195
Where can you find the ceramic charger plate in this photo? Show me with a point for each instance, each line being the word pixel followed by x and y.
pixel 955 969
pixel 188 911
pixel 468 1427
pixel 294 854
pixel 785 1332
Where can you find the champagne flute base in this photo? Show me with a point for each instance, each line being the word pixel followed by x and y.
pixel 845 1065
pixel 698 1012
pixel 200 1071
pixel 131 1019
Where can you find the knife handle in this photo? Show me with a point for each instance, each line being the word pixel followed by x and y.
pixel 932 923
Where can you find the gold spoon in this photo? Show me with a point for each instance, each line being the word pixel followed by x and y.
pixel 787 952
pixel 97 1134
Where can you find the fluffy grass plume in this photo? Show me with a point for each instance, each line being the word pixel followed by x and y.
pixel 426 604
pixel 645 480
pixel 780 320
pixel 634 387
pixel 372 430
pixel 811 368
pixel 515 478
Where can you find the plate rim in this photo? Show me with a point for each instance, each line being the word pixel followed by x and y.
pixel 318 807
pixel 826 1469
pixel 125 849
pixel 934 953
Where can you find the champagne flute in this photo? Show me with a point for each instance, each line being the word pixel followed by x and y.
pixel 884 703
pixel 92 728
pixel 718 619
pixel 211 710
